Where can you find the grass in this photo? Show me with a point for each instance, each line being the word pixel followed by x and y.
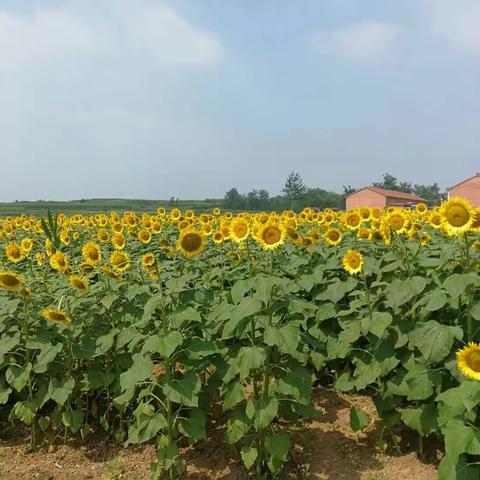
pixel 95 205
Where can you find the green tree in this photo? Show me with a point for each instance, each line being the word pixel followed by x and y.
pixel 234 200
pixel 294 187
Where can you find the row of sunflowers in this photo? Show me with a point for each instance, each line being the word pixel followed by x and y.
pixel 137 325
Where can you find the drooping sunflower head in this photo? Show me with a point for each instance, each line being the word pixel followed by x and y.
pixel 120 261
pixel 10 281
pixel 190 243
pixel 468 360
pixel 352 262
pixel 14 252
pixel 271 235
pixel 457 215
pixel 80 283
pixel 57 316
pixel 91 253
pixel 239 229
pixel 333 236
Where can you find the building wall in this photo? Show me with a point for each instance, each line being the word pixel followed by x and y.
pixel 469 190
pixel 366 198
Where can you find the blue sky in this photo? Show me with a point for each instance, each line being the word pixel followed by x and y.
pixel 188 98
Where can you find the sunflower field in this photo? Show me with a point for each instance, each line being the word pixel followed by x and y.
pixel 136 325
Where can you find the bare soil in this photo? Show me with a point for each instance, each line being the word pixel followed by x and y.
pixel 323 449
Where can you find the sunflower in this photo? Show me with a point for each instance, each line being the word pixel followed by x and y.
pixel 59 262
pixel 352 262
pixel 148 260
pixel 216 211
pixel 118 241
pixel 112 274
pixel 26 246
pixel 58 316
pixel 353 220
pixel 91 253
pixel 40 258
pixel 79 283
pixel 120 261
pixel 468 360
pixel 271 235
pixel 190 243
pixel 239 230
pixel 333 236
pixel 86 267
pixel 421 208
pixel 457 215
pixel 217 237
pixel 14 252
pixel 144 236
pixel 10 281
pixel 396 221
pixel 103 235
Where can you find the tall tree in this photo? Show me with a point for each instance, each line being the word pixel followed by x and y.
pixel 294 187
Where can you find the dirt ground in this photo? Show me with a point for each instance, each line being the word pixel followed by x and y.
pixel 323 449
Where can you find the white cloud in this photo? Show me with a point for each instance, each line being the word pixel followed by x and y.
pixel 54 35
pixel 49 35
pixel 363 42
pixel 456 22
pixel 170 39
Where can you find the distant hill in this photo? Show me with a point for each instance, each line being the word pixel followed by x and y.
pixel 95 205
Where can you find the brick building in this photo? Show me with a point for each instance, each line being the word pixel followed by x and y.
pixel 381 198
pixel 468 189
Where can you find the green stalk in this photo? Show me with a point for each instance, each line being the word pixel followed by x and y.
pixel 33 438
pixel 367 291
pixel 470 296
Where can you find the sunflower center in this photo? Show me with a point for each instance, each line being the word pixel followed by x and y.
pixel 272 235
pixel 9 280
pixel 334 235
pixel 457 215
pixel 241 230
pixel 191 242
pixel 473 361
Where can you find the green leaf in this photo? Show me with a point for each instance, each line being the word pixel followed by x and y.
pixel 358 419
pixel 46 355
pixel 250 358
pixel 73 419
pixel 4 394
pixel 140 370
pixel 104 343
pixel 237 426
pixel 456 469
pixel 422 419
pixel 60 389
pixel 239 289
pixel 399 292
pixel 185 390
pixel 434 340
pixel 165 345
pixel 17 376
pixel 147 424
pixel 437 300
pixel 262 411
pixel 457 283
pixel 278 445
pixel 460 438
pixel 286 338
pixel 232 394
pixel 297 383
pixel 23 412
pixel 7 344
pixel 379 323
pixel 248 306
pixel 249 455
pixel 193 427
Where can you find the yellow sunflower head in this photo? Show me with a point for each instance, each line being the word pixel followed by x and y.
pixel 190 243
pixel 14 252
pixel 239 229
pixel 58 316
pixel 91 253
pixel 353 220
pixel 10 281
pixel 120 261
pixel 118 241
pixel 468 360
pixel 80 283
pixel 148 260
pixel 271 235
pixel 26 245
pixel 59 262
pixel 353 262
pixel 333 236
pixel 144 236
pixel 457 215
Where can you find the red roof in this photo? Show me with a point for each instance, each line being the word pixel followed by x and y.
pixel 393 194
pixel 465 181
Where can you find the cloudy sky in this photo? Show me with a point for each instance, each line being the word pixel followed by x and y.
pixel 188 98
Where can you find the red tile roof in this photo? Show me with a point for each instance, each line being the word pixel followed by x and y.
pixel 464 181
pixel 393 194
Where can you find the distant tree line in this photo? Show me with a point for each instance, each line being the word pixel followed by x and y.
pixel 296 195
